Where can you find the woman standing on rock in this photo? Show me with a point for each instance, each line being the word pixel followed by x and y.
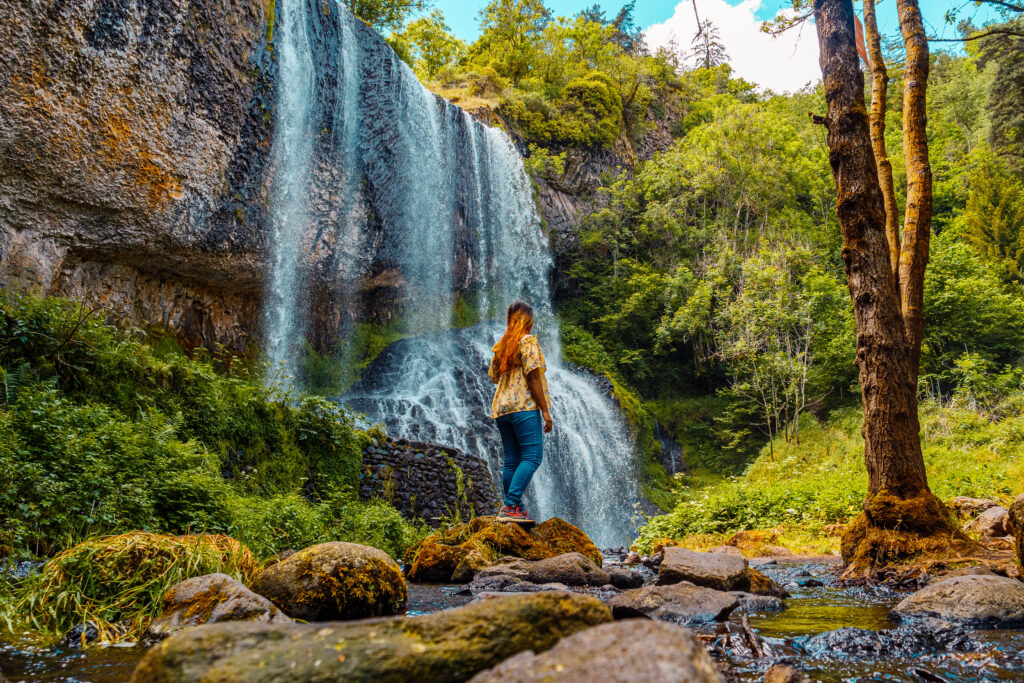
pixel 520 402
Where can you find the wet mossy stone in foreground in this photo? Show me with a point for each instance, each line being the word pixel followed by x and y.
pixel 335 581
pixel 458 553
pixel 452 645
pixel 978 601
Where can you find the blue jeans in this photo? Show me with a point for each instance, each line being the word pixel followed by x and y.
pixel 522 438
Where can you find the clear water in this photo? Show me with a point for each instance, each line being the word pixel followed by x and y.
pixel 368 161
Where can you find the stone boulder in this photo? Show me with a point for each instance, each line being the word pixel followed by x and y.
pixel 915 639
pixel 571 569
pixel 457 554
pixel 978 601
pixel 451 645
pixel 624 578
pixel 780 673
pixel 758 603
pixel 966 506
pixel 334 581
pixel 759 584
pixel 626 651
pixel 210 599
pixel 720 571
pixel 1017 524
pixel 679 603
pixel 992 523
pixel 563 537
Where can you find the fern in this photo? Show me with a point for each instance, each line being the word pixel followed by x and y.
pixel 14 380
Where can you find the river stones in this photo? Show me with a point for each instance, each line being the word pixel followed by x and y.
pixel 458 554
pixel 979 601
pixel 758 603
pixel 334 581
pixel 563 537
pixel 210 599
pixel 626 651
pixel 925 636
pixel 571 569
pixel 992 523
pixel 451 645
pixel 714 570
pixel 624 578
pixel 780 673
pixel 966 506
pixel 679 603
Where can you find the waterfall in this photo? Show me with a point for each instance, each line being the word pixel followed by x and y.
pixel 402 187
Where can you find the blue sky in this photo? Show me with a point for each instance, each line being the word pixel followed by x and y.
pixel 782 64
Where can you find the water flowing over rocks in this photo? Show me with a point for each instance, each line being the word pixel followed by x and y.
pixel 427 481
pixel 210 599
pixel 625 651
pixel 979 601
pixel 452 645
pixel 680 603
pixel 334 581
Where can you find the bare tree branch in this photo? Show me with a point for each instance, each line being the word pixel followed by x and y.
pixel 979 36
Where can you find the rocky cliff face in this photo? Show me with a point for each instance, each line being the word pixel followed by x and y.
pixel 133 140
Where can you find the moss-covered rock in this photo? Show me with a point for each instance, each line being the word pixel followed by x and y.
pixel 458 553
pixel 759 584
pixel 211 599
pixel 1017 523
pixel 452 645
pixel 566 538
pixel 335 581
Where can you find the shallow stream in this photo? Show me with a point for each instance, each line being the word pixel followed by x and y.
pixel 880 653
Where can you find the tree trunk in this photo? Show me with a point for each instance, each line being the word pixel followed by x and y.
pixel 917 228
pixel 901 517
pixel 879 99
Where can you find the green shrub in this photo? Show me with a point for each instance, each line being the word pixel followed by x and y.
pixel 586 112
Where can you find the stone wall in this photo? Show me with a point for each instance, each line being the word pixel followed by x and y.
pixel 427 481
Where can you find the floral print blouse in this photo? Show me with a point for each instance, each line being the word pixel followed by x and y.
pixel 513 393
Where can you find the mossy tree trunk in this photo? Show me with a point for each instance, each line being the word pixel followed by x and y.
pixel 879 100
pixel 901 517
pixel 918 218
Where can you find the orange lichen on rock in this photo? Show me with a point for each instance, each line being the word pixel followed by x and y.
pixel 458 553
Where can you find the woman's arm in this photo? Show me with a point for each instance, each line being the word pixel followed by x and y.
pixel 535 381
pixel 492 369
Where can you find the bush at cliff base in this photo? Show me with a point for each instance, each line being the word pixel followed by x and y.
pixel 115 583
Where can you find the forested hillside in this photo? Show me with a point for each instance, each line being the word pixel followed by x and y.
pixel 708 278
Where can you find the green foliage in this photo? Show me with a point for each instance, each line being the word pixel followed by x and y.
pixel 100 434
pixel 821 479
pixel 428 46
pixel 386 14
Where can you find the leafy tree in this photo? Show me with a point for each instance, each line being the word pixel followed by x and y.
pixel 509 33
pixel 386 15
pixel 429 45
pixel 993 219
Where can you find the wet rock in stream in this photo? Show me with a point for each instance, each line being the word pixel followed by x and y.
pixel 975 600
pixel 625 651
pixel 680 603
pixel 909 640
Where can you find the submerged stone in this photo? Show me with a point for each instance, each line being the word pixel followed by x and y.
pixel 627 651
pixel 451 645
pixel 210 599
pixel 909 640
pixel 979 601
pixel 334 581
pixel 624 578
pixel 680 603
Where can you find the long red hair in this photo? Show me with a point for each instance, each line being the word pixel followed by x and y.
pixel 519 324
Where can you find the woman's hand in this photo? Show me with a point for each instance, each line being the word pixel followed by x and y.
pixel 548 425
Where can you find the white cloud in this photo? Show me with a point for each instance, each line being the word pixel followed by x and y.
pixel 786 63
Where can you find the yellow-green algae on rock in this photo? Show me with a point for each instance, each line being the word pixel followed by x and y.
pixel 448 646
pixel 456 554
pixel 334 581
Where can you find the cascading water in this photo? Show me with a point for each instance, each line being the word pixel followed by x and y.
pixel 404 186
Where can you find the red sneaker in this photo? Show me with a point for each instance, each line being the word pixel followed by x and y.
pixel 508 514
pixel 522 515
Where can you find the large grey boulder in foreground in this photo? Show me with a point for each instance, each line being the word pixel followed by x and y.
pixel 979 601
pixel 680 603
pixel 628 651
pixel 211 599
pixel 720 571
pixel 452 645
